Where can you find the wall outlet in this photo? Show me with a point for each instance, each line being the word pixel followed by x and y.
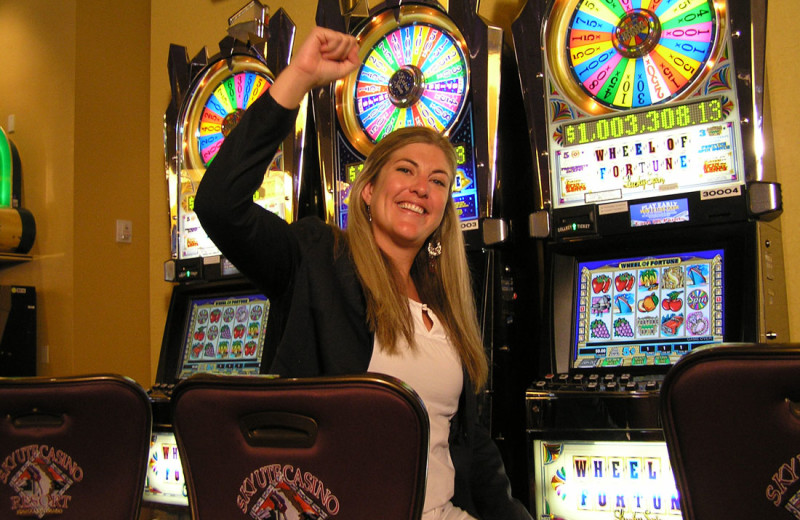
pixel 124 231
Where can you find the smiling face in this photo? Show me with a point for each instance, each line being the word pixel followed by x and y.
pixel 408 198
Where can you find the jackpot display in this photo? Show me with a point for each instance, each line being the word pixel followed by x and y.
pixel 633 100
pixel 641 100
pixel 209 98
pixel 416 70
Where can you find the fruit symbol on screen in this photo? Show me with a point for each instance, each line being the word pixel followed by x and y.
pixel 256 312
pixel 202 316
pixel 671 324
pixel 648 303
pixel 199 334
pixel 598 329
pixel 672 302
pixel 236 351
pixel 222 350
pixel 197 348
pixel 250 348
pixel 209 350
pixel 622 328
pixel 601 284
pixel 648 279
pixel 624 282
pixel 227 315
pixel 215 315
pixel 238 331
pixel 225 332
pixel 252 330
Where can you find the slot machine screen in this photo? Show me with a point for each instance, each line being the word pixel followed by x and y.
pixel 224 335
pixel 165 482
pixel 215 327
pixel 647 311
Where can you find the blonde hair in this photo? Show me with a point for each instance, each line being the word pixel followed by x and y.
pixel 445 287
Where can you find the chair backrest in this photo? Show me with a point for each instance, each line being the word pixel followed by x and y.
pixel 330 447
pixel 73 447
pixel 731 417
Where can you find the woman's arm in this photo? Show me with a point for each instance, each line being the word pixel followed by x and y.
pixel 257 242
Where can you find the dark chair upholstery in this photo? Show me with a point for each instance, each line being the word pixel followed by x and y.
pixel 73 447
pixel 731 417
pixel 332 447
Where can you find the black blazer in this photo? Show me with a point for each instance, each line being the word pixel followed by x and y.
pixel 317 318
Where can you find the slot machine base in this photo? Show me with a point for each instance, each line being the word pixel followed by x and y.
pixel 598 453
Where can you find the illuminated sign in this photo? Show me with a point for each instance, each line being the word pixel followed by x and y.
pixel 644 122
pixel 583 480
pixel 660 212
pixel 6 169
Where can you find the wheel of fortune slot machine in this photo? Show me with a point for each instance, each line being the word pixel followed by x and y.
pixel 209 97
pixel 217 320
pixel 426 63
pixel 657 220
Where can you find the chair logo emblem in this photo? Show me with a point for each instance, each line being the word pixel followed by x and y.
pixel 283 491
pixel 40 476
pixel 783 488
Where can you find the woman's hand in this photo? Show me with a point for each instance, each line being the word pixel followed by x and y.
pixel 325 56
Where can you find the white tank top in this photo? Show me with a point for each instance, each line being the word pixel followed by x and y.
pixel 434 370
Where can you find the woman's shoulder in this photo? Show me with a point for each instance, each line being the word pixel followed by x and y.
pixel 313 231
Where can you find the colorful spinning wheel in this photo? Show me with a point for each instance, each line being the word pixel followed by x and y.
pixel 414 72
pixel 623 54
pixel 222 95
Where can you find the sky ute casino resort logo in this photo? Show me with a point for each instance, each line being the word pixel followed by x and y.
pixel 283 491
pixel 40 476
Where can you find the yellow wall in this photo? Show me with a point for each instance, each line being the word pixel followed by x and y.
pixel 87 83
pixel 75 79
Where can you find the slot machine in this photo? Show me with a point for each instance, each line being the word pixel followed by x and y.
pixel 656 215
pixel 426 63
pixel 217 319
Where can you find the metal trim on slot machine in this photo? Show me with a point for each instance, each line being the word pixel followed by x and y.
pixel 656 215
pixel 441 65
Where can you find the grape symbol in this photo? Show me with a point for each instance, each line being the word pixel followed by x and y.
pixel 622 328
pixel 599 330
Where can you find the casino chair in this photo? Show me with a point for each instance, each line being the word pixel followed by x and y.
pixel 73 447
pixel 352 447
pixel 731 417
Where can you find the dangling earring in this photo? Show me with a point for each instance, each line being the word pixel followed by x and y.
pixel 434 251
pixel 369 214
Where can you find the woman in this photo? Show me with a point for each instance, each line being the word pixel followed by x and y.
pixel 390 294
